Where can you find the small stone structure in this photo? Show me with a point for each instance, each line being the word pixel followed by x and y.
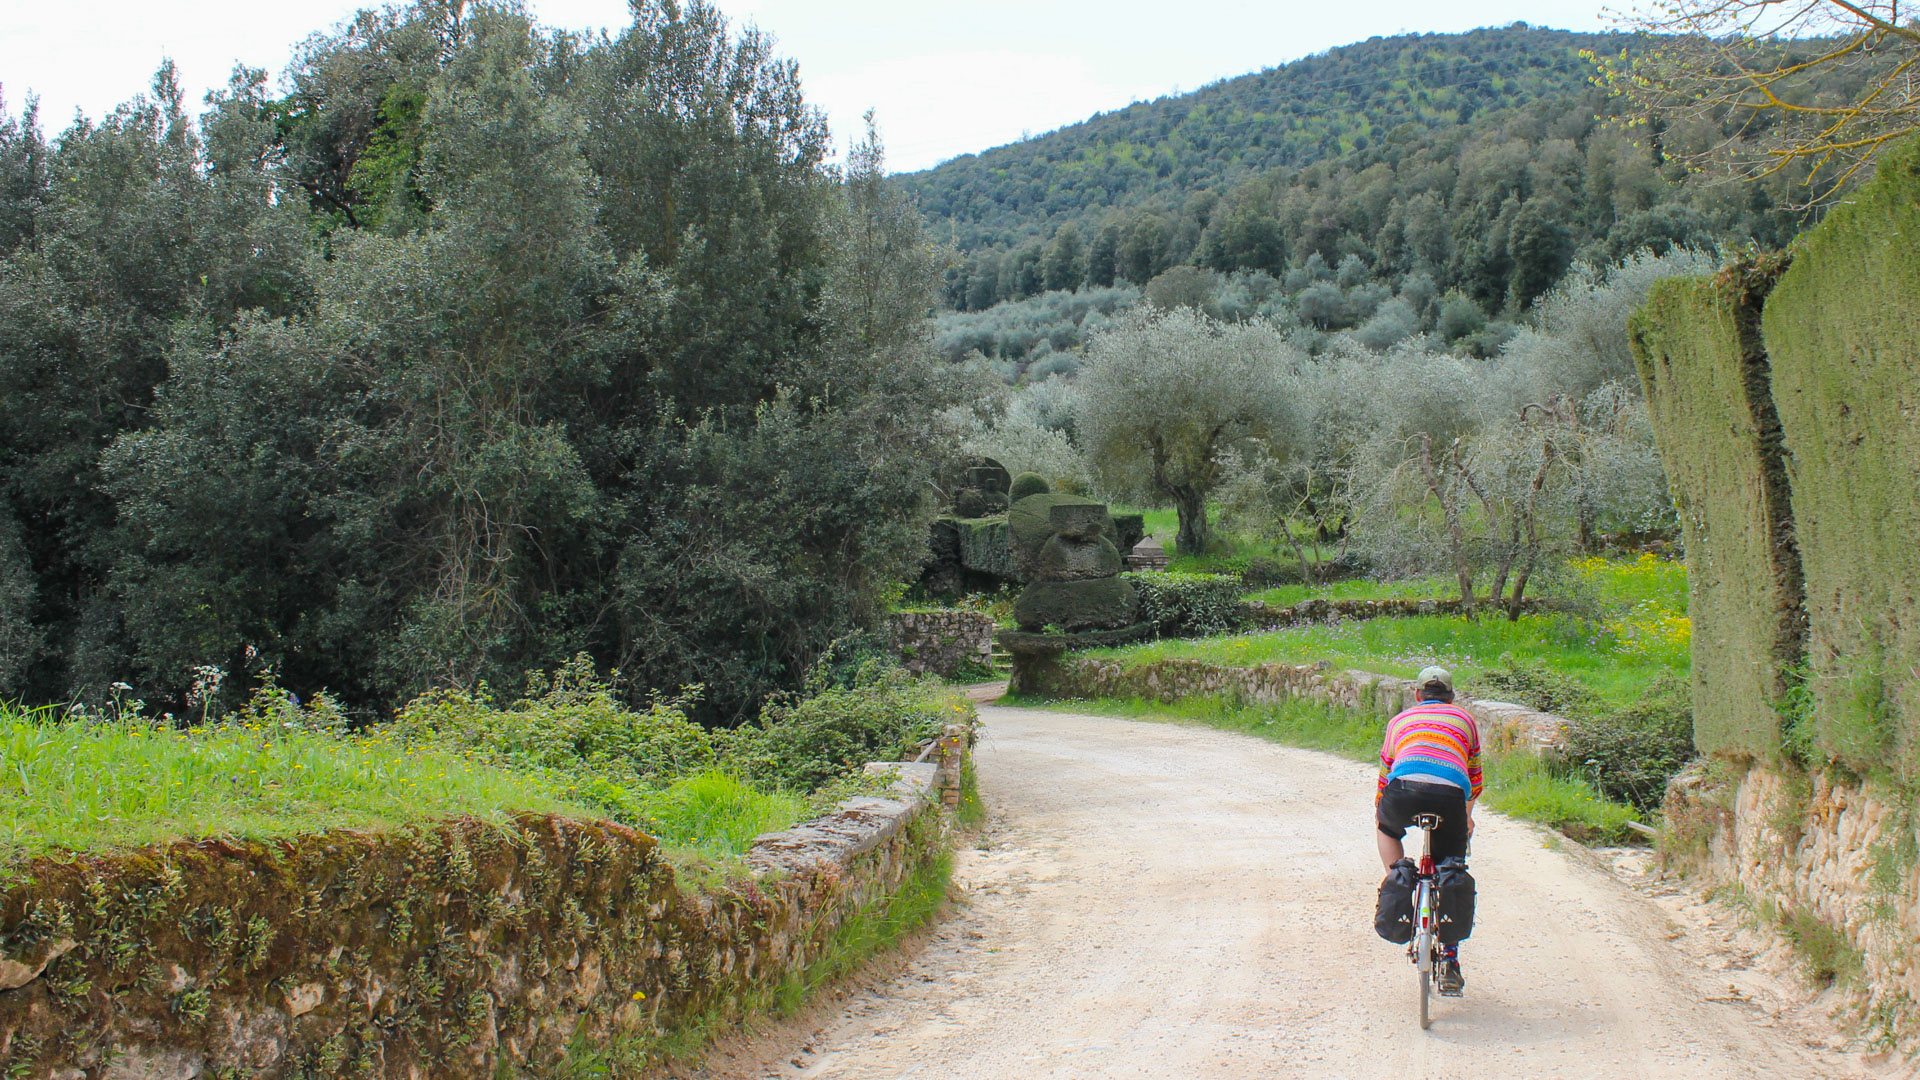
pixel 941 642
pixel 1147 555
pixel 1502 724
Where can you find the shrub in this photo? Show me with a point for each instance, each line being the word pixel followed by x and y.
pixel 803 742
pixel 1028 484
pixel 1630 756
pixel 1264 573
pixel 575 727
pixel 1537 686
pixel 1188 605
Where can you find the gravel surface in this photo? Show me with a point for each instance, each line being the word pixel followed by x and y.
pixel 1167 901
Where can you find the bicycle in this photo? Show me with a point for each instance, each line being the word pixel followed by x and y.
pixel 1424 949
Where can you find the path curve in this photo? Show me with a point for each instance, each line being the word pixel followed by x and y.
pixel 1168 901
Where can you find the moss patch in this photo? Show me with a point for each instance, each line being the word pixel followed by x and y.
pixel 1843 332
pixel 1698 348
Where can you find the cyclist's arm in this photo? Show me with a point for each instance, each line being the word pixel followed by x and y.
pixel 1474 776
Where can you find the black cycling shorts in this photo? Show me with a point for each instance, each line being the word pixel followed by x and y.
pixel 1405 798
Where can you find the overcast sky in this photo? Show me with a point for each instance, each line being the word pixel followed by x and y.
pixel 945 78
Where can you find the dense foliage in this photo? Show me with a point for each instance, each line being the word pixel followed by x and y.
pixel 1188 605
pixel 484 346
pixel 1482 161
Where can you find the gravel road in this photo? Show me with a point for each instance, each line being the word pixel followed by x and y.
pixel 1166 901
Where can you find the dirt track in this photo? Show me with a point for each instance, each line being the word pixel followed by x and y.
pixel 1172 902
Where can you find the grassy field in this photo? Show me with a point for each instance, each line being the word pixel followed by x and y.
pixel 1518 785
pixel 1640 632
pixel 88 785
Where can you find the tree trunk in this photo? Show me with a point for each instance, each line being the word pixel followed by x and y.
pixel 1193 535
pixel 1456 536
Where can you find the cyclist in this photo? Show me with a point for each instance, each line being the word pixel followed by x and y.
pixel 1430 763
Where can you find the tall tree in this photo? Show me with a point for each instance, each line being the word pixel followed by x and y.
pixel 1164 395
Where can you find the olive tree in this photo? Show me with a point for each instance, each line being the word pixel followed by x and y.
pixel 1163 396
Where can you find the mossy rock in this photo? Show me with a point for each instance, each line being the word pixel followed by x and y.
pixel 1096 604
pixel 1028 484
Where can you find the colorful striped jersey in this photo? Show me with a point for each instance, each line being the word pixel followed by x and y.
pixel 1432 740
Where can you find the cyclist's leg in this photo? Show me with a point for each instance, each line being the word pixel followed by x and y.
pixel 1392 848
pixel 1392 818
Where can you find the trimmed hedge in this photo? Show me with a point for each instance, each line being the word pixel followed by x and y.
pixel 1843 332
pixel 1188 605
pixel 1697 346
pixel 1028 484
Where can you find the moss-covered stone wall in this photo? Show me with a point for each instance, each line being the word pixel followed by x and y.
pixel 1698 348
pixel 464 949
pixel 1843 332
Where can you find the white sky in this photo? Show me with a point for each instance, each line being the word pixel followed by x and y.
pixel 945 78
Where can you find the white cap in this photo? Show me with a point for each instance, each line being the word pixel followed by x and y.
pixel 1430 675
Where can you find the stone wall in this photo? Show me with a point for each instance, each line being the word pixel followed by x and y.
pixel 459 949
pixel 941 642
pixel 1818 845
pixel 1503 725
pixel 1317 610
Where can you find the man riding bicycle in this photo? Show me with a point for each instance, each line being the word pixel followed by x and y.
pixel 1430 764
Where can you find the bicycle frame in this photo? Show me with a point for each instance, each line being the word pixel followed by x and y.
pixel 1424 949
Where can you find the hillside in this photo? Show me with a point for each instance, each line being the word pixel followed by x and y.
pixel 1478 158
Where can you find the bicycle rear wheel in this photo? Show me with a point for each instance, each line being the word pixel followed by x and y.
pixel 1426 991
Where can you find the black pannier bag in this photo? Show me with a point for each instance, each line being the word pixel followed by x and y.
pixel 1393 917
pixel 1455 914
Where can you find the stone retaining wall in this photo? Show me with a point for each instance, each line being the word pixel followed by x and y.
pixel 1503 725
pixel 454 950
pixel 1317 610
pixel 941 642
pixel 1811 844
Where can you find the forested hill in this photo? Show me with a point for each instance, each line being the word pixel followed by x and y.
pixel 1479 158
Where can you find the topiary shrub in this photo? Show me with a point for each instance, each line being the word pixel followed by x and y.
pixel 1188 605
pixel 1105 603
pixel 1028 484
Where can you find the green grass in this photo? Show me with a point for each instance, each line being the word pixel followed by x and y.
pixel 1419 588
pixel 74 785
pixel 1617 669
pixel 1518 785
pixel 717 813
pixel 81 785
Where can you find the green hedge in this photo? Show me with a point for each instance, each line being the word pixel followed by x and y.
pixel 1843 331
pixel 1188 605
pixel 1698 349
